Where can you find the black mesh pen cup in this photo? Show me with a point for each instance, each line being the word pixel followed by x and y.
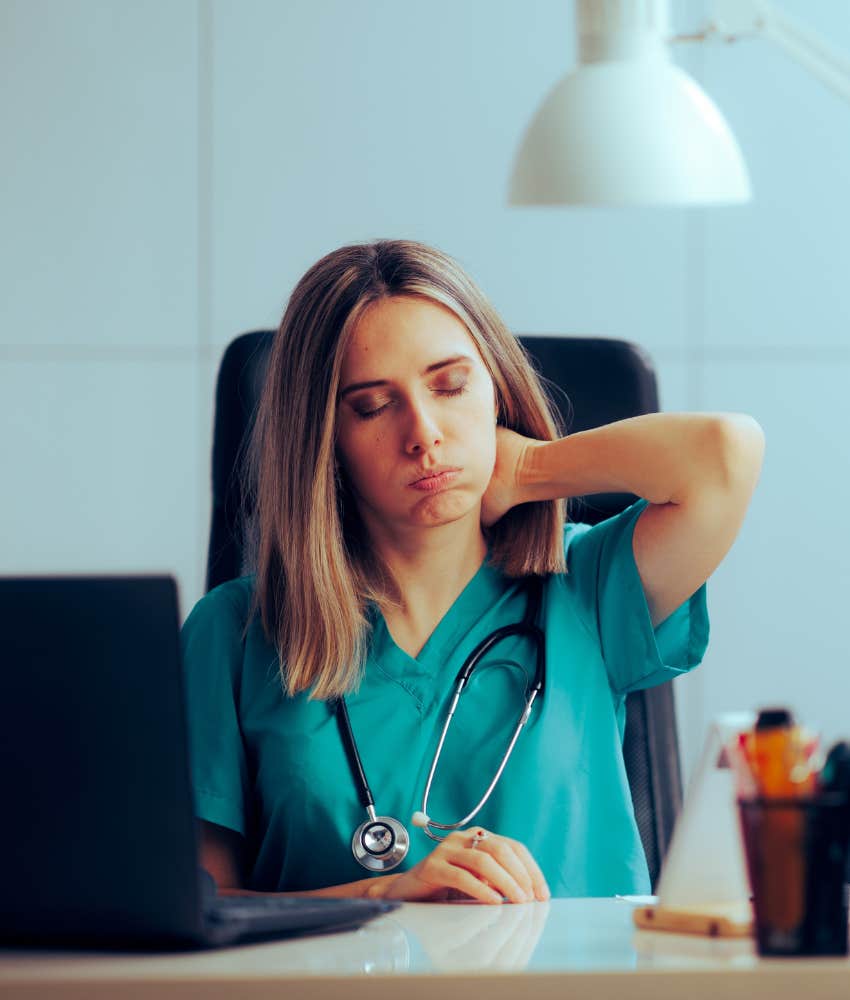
pixel 796 850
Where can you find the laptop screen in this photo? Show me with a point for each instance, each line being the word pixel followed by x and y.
pixel 95 779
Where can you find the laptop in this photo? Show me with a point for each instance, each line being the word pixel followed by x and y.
pixel 98 836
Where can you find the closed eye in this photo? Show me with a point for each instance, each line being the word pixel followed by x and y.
pixel 369 414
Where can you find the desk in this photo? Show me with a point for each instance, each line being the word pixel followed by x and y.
pixel 567 948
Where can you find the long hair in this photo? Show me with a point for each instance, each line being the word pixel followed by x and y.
pixel 316 574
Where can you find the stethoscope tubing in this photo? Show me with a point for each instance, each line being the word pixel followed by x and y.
pixel 463 676
pixel 364 792
pixel 399 836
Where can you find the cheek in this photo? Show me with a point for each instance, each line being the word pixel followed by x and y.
pixel 362 457
pixel 487 454
pixel 479 435
pixel 474 446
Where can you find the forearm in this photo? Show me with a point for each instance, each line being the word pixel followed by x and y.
pixel 367 888
pixel 663 457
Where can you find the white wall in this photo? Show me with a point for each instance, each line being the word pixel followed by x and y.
pixel 170 170
pixel 100 347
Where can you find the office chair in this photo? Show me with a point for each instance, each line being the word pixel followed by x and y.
pixel 594 381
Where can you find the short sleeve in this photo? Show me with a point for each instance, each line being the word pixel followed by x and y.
pixel 212 649
pixel 601 563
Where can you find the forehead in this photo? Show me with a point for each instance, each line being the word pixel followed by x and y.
pixel 401 332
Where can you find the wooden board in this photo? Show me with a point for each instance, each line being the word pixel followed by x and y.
pixel 720 920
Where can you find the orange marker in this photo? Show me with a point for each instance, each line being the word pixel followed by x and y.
pixel 780 754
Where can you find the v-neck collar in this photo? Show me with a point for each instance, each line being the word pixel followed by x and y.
pixel 415 674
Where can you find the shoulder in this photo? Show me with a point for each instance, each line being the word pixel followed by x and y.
pixel 599 560
pixel 230 598
pixel 220 616
pixel 586 545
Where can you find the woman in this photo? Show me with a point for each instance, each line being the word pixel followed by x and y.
pixel 410 483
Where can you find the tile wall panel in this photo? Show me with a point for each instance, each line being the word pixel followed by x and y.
pixel 101 470
pixel 99 195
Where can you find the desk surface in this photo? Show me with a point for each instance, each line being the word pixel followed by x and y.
pixel 566 948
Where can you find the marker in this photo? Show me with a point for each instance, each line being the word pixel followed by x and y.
pixel 780 753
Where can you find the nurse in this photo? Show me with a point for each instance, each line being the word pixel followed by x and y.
pixel 410 477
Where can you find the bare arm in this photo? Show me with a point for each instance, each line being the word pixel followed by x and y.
pixel 664 457
pixel 223 856
pixel 451 869
pixel 698 471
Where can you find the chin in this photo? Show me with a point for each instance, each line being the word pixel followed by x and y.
pixel 444 508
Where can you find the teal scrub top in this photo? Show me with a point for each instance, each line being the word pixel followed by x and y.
pixel 274 768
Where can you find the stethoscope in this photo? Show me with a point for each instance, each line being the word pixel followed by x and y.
pixel 382 842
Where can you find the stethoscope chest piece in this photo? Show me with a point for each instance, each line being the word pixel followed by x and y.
pixel 380 844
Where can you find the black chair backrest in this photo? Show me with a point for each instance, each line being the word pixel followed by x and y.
pixel 593 381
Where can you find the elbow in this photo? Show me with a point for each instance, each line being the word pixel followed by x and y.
pixel 738 444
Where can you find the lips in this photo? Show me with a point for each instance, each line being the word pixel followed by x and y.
pixel 434 480
pixel 433 473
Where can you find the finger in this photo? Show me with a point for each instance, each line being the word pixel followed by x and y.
pixel 503 851
pixel 459 878
pixel 493 860
pixel 541 888
pixel 488 869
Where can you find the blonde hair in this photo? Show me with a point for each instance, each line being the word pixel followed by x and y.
pixel 315 572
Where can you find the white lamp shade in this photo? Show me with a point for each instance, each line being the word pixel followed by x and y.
pixel 630 132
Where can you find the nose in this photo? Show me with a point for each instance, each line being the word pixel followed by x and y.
pixel 422 432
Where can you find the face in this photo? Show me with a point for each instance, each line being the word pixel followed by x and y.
pixel 416 416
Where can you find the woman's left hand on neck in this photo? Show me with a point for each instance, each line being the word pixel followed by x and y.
pixel 504 490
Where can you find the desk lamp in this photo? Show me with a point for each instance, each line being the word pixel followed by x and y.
pixel 628 127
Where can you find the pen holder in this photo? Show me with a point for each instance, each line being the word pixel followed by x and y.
pixel 796 850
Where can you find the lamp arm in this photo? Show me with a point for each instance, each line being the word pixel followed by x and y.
pixel 808 49
pixel 735 19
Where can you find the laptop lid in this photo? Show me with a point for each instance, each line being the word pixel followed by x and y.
pixel 98 838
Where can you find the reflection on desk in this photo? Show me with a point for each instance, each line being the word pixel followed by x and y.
pixel 575 947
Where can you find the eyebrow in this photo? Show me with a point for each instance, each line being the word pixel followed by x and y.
pixel 427 371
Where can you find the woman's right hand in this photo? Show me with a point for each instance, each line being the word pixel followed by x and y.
pixel 496 867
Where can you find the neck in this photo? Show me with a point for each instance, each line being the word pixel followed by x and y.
pixel 430 566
